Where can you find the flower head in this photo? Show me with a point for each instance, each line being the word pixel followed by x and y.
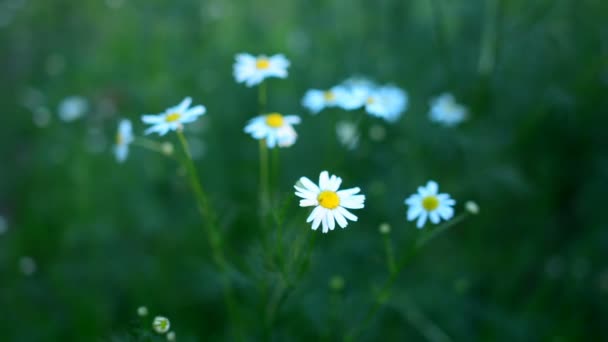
pixel 173 118
pixel 445 110
pixel 124 137
pixel 428 203
pixel 316 100
pixel 72 108
pixel 348 134
pixel 161 324
pixel 387 102
pixel 275 128
pixel 329 202
pixel 358 91
pixel 252 70
pixel 142 311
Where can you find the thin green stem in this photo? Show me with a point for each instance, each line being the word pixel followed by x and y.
pixel 390 255
pixel 262 97
pixel 149 145
pixel 213 234
pixel 385 292
pixel 264 177
pixel 487 50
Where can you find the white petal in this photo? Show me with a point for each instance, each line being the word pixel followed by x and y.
pixel 308 202
pixel 347 192
pixel 414 199
pixel 421 219
pixel 353 202
pixel 434 215
pixel 330 219
pixel 309 185
pixel 152 119
pixel 346 214
pixel 315 212
pixel 446 212
pixel 432 188
pixel 324 180
pixel 413 212
pixel 340 219
pixel 334 183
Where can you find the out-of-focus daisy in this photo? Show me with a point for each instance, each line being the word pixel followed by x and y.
pixel 358 91
pixel 387 102
pixel 124 137
pixel 329 202
pixel 316 100
pixel 142 311
pixel 161 324
pixel 428 203
pixel 445 110
pixel 173 118
pixel 275 128
pixel 72 108
pixel 252 70
pixel 348 134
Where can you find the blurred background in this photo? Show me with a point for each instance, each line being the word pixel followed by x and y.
pixel 85 241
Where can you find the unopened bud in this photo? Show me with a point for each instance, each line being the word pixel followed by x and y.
pixel 472 207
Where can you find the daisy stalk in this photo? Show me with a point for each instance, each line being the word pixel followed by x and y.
pixel 386 291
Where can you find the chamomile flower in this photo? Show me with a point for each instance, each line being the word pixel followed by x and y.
pixel 316 100
pixel 173 118
pixel 124 137
pixel 445 110
pixel 387 102
pixel 330 203
pixel 252 70
pixel 275 128
pixel 427 203
pixel 348 134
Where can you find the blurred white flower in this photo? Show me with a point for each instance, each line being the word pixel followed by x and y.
pixel 171 336
pixel 384 228
pixel 330 204
pixel 316 100
pixel 387 102
pixel 252 70
pixel 173 118
pixel 27 265
pixel 72 108
pixel 358 91
pixel 348 134
pixel 472 207
pixel 142 311
pixel 275 128
pixel 445 110
pixel 161 324
pixel 428 203
pixel 124 137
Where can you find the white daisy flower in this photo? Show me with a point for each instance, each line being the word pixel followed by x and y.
pixel 253 70
pixel 316 100
pixel 276 128
pixel 330 204
pixel 72 108
pixel 124 137
pixel 428 203
pixel 173 118
pixel 387 102
pixel 445 110
pixel 161 324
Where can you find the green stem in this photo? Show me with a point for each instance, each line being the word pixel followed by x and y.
pixel 264 177
pixel 487 50
pixel 213 234
pixel 148 144
pixel 385 293
pixel 262 97
pixel 390 255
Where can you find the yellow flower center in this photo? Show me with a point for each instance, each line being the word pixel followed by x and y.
pixel 370 100
pixel 430 203
pixel 329 95
pixel 172 117
pixel 328 199
pixel 274 120
pixel 262 63
pixel 119 139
